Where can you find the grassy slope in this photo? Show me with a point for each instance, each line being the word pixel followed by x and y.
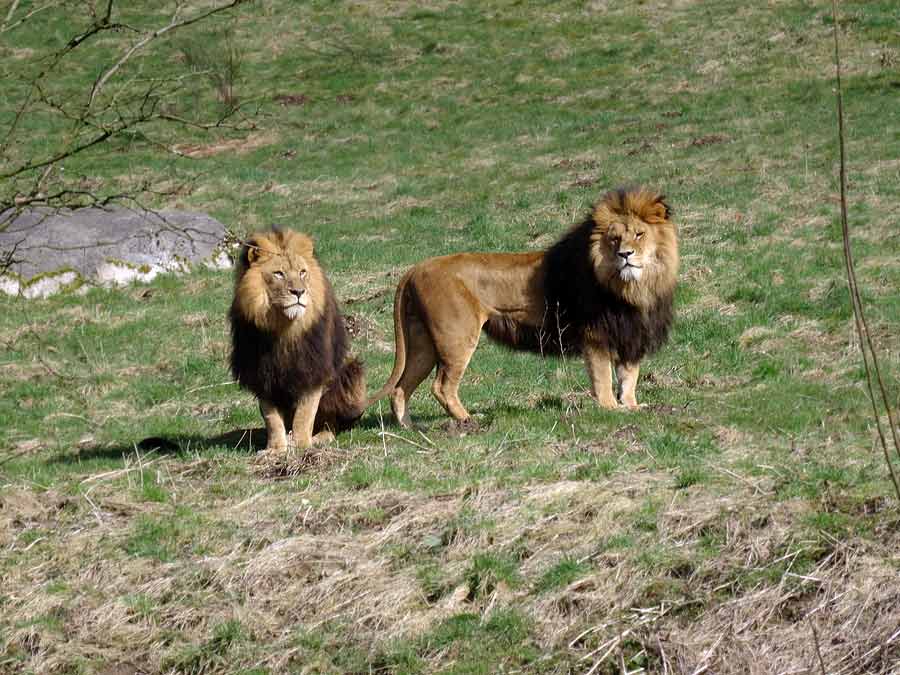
pixel 702 530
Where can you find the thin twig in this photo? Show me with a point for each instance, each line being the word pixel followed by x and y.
pixel 149 37
pixel 816 643
pixel 93 124
pixel 662 653
pixel 862 327
pixel 383 434
pixel 7 26
pixel 9 14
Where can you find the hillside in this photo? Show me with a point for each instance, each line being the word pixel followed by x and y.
pixel 743 522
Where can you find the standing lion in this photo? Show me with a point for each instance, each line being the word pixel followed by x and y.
pixel 605 290
pixel 289 342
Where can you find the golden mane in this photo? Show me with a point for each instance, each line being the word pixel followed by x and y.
pixel 263 252
pixel 659 279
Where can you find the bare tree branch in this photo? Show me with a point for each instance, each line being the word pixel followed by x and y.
pixel 61 155
pixel 862 327
pixel 132 108
pixel 99 25
pixel 7 26
pixel 174 24
pixel 8 257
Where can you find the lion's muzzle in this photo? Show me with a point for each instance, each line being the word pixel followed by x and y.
pixel 296 303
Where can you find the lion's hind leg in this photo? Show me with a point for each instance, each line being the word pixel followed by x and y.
pixel 420 360
pixel 452 365
pixel 446 383
pixel 456 337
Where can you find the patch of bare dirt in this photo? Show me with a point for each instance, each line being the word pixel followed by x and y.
pixel 292 99
pixel 234 145
pixel 708 139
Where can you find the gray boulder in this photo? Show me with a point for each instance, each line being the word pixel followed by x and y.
pixel 54 250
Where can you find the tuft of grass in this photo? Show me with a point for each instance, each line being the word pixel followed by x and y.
pixel 152 538
pixel 691 475
pixel 472 644
pixel 210 655
pixel 434 581
pixel 490 570
pixel 561 574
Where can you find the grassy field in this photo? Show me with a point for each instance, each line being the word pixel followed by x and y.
pixel 742 523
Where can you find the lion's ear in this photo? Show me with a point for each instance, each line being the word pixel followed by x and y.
pixel 251 253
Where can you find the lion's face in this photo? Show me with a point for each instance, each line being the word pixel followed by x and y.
pixel 630 248
pixel 279 283
pixel 634 247
pixel 285 277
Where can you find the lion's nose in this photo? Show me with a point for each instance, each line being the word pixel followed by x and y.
pixel 298 292
pixel 625 254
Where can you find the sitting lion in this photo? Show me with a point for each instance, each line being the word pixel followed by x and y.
pixel 605 290
pixel 289 343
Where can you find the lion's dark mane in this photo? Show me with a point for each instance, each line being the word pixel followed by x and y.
pixel 282 371
pixel 576 302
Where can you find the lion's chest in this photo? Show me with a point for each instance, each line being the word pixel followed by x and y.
pixel 282 370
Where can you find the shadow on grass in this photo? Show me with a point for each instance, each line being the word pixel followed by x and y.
pixel 238 440
pixel 375 422
pixel 551 403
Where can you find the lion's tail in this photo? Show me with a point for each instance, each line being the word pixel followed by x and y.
pixel 344 401
pixel 400 344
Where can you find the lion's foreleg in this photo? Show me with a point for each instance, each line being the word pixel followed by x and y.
pixel 276 436
pixel 627 375
pixel 305 418
pixel 599 368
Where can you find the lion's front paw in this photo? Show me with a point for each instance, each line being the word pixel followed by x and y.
pixel 608 403
pixel 323 438
pixel 633 405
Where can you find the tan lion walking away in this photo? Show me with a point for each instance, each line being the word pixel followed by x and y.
pixel 604 290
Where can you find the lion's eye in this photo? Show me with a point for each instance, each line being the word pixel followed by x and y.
pixel 303 274
pixel 638 235
pixel 278 275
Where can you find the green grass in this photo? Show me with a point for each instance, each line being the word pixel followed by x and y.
pixel 488 571
pixel 561 574
pixel 213 653
pixel 556 527
pixel 477 644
